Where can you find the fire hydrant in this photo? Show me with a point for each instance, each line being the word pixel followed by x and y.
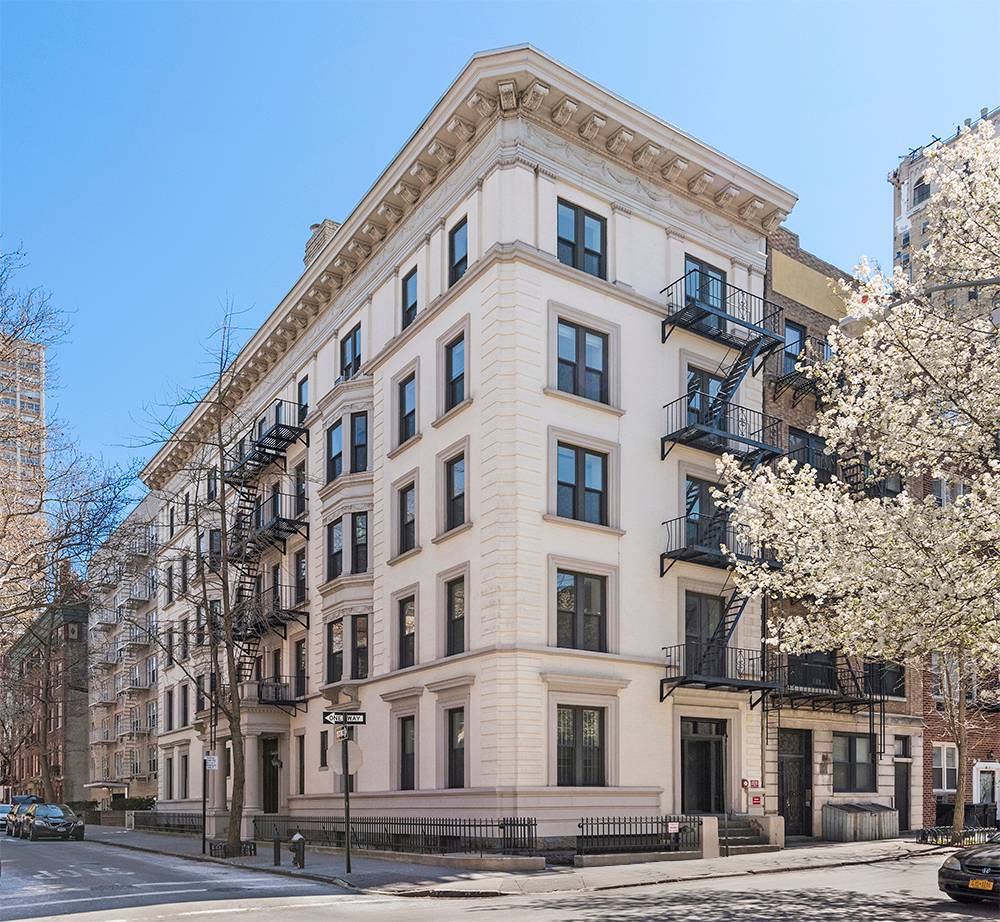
pixel 298 849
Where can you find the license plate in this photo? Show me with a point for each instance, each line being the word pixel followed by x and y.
pixel 981 884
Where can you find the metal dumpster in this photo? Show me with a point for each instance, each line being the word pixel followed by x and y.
pixel 859 822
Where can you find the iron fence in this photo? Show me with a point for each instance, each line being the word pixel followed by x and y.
pixel 944 835
pixel 606 835
pixel 425 835
pixel 158 821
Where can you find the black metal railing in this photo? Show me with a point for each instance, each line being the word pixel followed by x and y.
pixel 609 835
pixel 168 822
pixel 702 421
pixel 424 835
pixel 826 465
pixel 813 351
pixel 282 689
pixel 278 428
pixel 801 677
pixel 703 303
pixel 944 835
pixel 719 663
pixel 272 603
pixel 699 538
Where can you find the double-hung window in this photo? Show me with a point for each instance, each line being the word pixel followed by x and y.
pixel 359 647
pixel 300 576
pixel 944 767
pixel 921 191
pixel 853 762
pixel 409 299
pixel 458 251
pixel 303 399
pixel 335 549
pixel 454 513
pixel 582 239
pixel 456 747
pixel 334 651
pixel 579 746
pixel 407 408
pixel 455 614
pixel 407 752
pixel 407 631
pixel 350 353
pixel 454 375
pixel 359 542
pixel 359 442
pixel 407 518
pixel 300 488
pixel 583 361
pixel 334 451
pixel 581 484
pixel 581 611
pixel 885 678
pixel 795 344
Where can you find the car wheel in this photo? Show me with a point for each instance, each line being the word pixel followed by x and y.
pixel 962 898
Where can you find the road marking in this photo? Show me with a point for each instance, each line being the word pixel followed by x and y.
pixel 119 896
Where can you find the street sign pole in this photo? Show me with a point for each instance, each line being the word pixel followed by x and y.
pixel 204 799
pixel 347 805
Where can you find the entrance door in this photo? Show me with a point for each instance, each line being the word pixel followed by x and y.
pixel 703 768
pixel 903 794
pixel 795 781
pixel 269 775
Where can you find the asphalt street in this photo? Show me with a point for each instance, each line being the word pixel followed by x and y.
pixel 90 882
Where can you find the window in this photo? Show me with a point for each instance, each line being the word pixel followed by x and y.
pixel 359 542
pixel 151 715
pixel 454 513
pixel 579 745
pixel 334 452
pixel 359 442
pixel 455 603
pixel 902 747
pixel 187 508
pixel 184 776
pixel 409 299
pixel 853 762
pixel 212 488
pixel 456 747
pixel 168 642
pixel 301 679
pixel 170 584
pixel 458 251
pixel 944 767
pixel 334 651
pixel 581 484
pixel 350 353
pixel 184 574
pixel 303 399
pixel 359 647
pixel 199 693
pixel 168 710
pixel 301 760
pixel 183 636
pixel 407 518
pixel 884 678
pixel 581 611
pixel 454 384
pixel 407 631
pixel 324 748
pixel 169 769
pixel 407 752
pixel 300 576
pixel 170 527
pixel 583 361
pixel 184 716
pixel 795 343
pixel 276 664
pixel 581 239
pixel 300 489
pixel 335 549
pixel 921 191
pixel 905 242
pixel 407 408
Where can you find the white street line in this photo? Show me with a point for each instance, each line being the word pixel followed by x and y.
pixel 119 896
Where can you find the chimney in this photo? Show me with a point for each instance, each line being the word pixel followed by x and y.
pixel 984 112
pixel 318 236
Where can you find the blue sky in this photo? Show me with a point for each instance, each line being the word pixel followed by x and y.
pixel 159 157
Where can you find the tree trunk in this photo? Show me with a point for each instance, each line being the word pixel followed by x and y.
pixel 961 734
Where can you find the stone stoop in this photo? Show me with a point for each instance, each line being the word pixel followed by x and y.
pixel 744 838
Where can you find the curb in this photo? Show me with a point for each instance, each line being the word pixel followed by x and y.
pixel 205 859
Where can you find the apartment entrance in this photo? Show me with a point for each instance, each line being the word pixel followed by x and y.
pixel 902 770
pixel 703 765
pixel 269 774
pixel 795 781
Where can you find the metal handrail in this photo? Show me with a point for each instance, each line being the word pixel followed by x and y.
pixel 710 532
pixel 696 288
pixel 714 660
pixel 730 420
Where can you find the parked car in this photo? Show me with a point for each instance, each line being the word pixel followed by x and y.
pixel 14 818
pixel 4 810
pixel 51 821
pixel 972 875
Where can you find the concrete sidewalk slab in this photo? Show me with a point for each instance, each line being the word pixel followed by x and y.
pixel 402 878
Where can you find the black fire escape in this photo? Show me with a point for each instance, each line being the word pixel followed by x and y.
pixel 751 329
pixel 263 520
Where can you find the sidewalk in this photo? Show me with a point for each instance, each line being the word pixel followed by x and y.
pixel 377 875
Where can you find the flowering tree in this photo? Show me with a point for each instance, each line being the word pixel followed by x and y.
pixel 912 390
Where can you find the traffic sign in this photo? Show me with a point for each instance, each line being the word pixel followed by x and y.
pixel 349 718
pixel 354 759
pixel 212 763
pixel 343 733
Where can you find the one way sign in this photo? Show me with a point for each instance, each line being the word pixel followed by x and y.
pixel 349 718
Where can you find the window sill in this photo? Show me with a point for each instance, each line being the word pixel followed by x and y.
pixel 406 555
pixel 448 414
pixel 579 523
pixel 345 579
pixel 332 487
pixel 583 401
pixel 457 530
pixel 399 449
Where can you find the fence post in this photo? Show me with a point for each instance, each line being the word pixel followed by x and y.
pixel 277 849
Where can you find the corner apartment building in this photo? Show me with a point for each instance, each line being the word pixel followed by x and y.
pixel 123 661
pixel 46 684
pixel 836 730
pixel 485 424
pixel 22 395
